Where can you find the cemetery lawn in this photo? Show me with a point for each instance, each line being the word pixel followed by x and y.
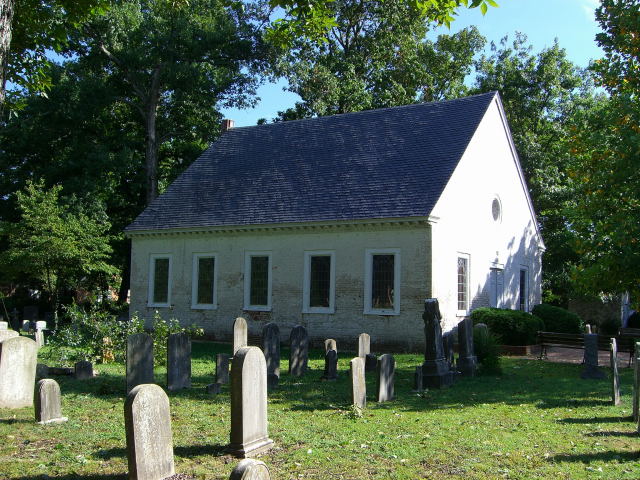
pixel 538 420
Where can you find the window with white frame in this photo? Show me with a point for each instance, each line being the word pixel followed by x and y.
pixel 203 284
pixel 257 281
pixel 159 281
pixel 382 281
pixel 463 283
pixel 319 290
pixel 523 290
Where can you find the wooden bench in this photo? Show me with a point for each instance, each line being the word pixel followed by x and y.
pixel 625 341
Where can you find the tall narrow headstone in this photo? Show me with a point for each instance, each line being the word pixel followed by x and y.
pixel 299 351
pixel 147 422
pixel 418 383
pixel 83 370
pixel 178 361
pixel 467 360
pixel 249 469
pixel 331 366
pixel 271 349
pixel 222 368
pixel 591 369
pixel 330 344
pixel 18 359
pixel 139 360
pixel 635 402
pixel 386 377
pixel 358 383
pixel 435 369
pixel 249 434
pixel 615 377
pixel 48 408
pixel 240 334
pixel 447 345
pixel 364 345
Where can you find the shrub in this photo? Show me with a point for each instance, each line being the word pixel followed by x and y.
pixel 511 327
pixel 487 349
pixel 558 319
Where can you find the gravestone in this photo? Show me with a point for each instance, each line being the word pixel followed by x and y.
pixel 386 377
pixel 358 383
pixel 4 325
pixel 249 434
pixel 447 345
pixel 435 369
pixel 18 359
pixel 139 360
pixel 615 377
pixel 249 469
pixel 26 325
pixel 214 388
pixel 41 325
pixel 47 404
pixel 588 329
pixel 4 334
pixel 330 344
pixel 635 402
pixel 147 422
pixel 364 345
pixel 271 349
pixel 83 370
pixel 240 334
pixel 178 361
pixel 331 366
pixel 467 360
pixel 591 370
pixel 222 368
pixel 299 351
pixel 417 379
pixel 39 338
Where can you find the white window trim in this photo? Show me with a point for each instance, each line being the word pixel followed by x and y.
pixel 306 290
pixel 194 282
pixel 526 287
pixel 247 281
pixel 463 313
pixel 368 278
pixel 152 269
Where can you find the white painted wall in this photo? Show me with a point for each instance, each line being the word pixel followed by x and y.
pixel 486 170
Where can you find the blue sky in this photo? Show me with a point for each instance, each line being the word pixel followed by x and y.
pixel 572 22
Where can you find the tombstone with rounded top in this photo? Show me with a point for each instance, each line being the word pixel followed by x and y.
pixel 83 370
pixel 358 383
pixel 48 408
pixel 364 345
pixel 299 351
pixel 222 368
pixel 271 349
pixel 615 377
pixel 331 366
pixel 330 344
pixel 139 360
pixel 147 422
pixel 240 334
pixel 18 360
pixel 386 377
pixel 178 361
pixel 250 469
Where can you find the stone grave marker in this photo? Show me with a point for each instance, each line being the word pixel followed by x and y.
pixel 214 388
pixel 271 349
pixel 249 434
pixel 41 325
pixel 222 368
pixel 18 359
pixel 591 370
pixel 417 379
pixel 249 469
pixel 330 344
pixel 240 334
pixel 139 360
pixel 467 360
pixel 4 325
pixel 48 403
pixel 331 366
pixel 299 351
pixel 83 370
pixel 435 369
pixel 178 361
pixel 4 334
pixel 358 383
pixel 615 377
pixel 447 345
pixel 386 377
pixel 147 422
pixel 364 345
pixel 26 325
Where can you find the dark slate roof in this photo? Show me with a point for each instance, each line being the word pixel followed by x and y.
pixel 386 163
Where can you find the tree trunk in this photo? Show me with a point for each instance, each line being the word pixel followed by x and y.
pixel 6 17
pixel 151 154
pixel 125 284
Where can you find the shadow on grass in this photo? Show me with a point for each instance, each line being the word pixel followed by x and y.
pixel 75 476
pixel 613 434
pixel 10 421
pixel 608 456
pixel 215 450
pixel 572 402
pixel 595 420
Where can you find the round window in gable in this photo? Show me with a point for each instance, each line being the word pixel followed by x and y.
pixel 496 209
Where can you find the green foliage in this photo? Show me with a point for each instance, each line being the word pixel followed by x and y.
pixel 487 349
pixel 609 326
pixel 511 327
pixel 558 319
pixel 160 331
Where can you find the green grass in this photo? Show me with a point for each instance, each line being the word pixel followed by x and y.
pixel 538 420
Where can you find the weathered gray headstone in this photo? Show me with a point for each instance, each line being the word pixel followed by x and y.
pixel 331 366
pixel 386 377
pixel 18 359
pixel 26 325
pixel 591 369
pixel 417 379
pixel 467 360
pixel 41 325
pixel 435 369
pixel 139 360
pixel 447 345
pixel 615 377
pixel 271 349
pixel 635 401
pixel 4 334
pixel 358 383
pixel 4 325
pixel 83 370
pixel 249 469
pixel 249 434
pixel 222 368
pixel 299 351
pixel 48 402
pixel 214 388
pixel 39 338
pixel 364 345
pixel 330 344
pixel 178 361
pixel 147 422
pixel 240 334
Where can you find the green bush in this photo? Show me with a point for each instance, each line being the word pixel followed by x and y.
pixel 511 327
pixel 487 349
pixel 558 319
